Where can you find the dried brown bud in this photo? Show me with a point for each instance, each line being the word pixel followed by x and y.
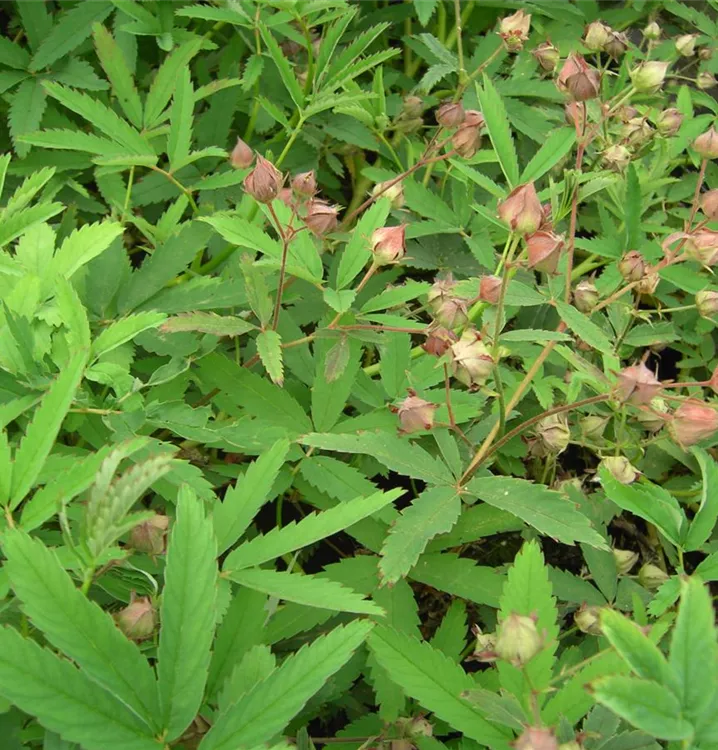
pixel 473 119
pixel 137 620
pixel 439 341
pixel 149 536
pixel 518 640
pixel 621 469
pixel 536 738
pixel 651 576
pixel 553 434
pixel 415 414
pixel 585 296
pixel 647 285
pixel 705 80
pixel 394 192
pixel 686 45
pixel 669 121
pixel 450 114
pixel 652 32
pixel 521 211
pixel 471 360
pixel 305 184
pixel 490 289
pixel 388 244
pixel 637 132
pixel 242 155
pixel 632 266
pixel 544 250
pixel 321 218
pixel 616 45
pixel 514 30
pixel 264 181
pixel 709 204
pixel 638 385
pixel 707 144
pixel 578 79
pixel 547 56
pixel 596 36
pixel 466 141
pixel 693 421
pixel 588 619
pixel 702 245
pixel 625 560
pixel 648 77
pixel 707 303
pixel 412 107
pixel 705 53
pixel 616 157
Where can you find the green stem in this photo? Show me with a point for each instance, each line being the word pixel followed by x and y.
pixel 128 193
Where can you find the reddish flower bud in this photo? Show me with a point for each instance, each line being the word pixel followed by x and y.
pixel 450 114
pixel 415 414
pixel 287 197
pixel 514 30
pixel 518 640
pixel 705 80
pixel 242 155
pixel 638 385
pixel 471 360
pixel 321 218
pixel 137 620
pixel 686 45
pixel 305 184
pixel 388 244
pixel 625 560
pixel 536 738
pixel 547 56
pixel 439 341
pixel 544 250
pixel 632 266
pixel 669 121
pixel 521 211
pixel 264 181
pixel 585 296
pixel 709 204
pixel 149 536
pixel 648 77
pixel 490 289
pixel 702 245
pixel 395 192
pixel 651 576
pixel 588 619
pixel 707 144
pixel 575 112
pixel 596 36
pixel 693 421
pixel 621 469
pixel 707 303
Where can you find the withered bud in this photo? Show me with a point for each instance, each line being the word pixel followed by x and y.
pixel 547 56
pixel 536 738
pixel 490 289
pixel 651 576
pixel 647 285
pixel 137 620
pixel 588 619
pixel 264 181
pixel 637 132
pixel 593 426
pixel 616 45
pixel 242 155
pixel 693 421
pixel 518 640
pixel 585 295
pixel 471 360
pixel 648 77
pixel 707 303
pixel 596 36
pixel 553 434
pixel 669 121
pixel 686 45
pixel 709 204
pixel 652 32
pixel 574 65
pixel 705 80
pixel 441 290
pixel 473 119
pixel 625 560
pixel 150 536
pixel 707 144
pixel 452 313
pixel 626 113
pixel 584 85
pixel 702 246
pixel 321 218
pixel 632 266
pixel 638 385
pixel 388 244
pixel 305 184
pixel 450 114
pixel 467 139
pixel 616 157
pixel 412 107
pixel 439 341
pixel 621 469
pixel 544 250
pixel 514 30
pixel 395 192
pixel 521 211
pixel 415 414
pixel 705 53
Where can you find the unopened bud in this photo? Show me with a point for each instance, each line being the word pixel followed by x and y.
pixel 588 619
pixel 616 157
pixel 651 576
pixel 648 77
pixel 705 53
pixel 692 422
pixel 709 204
pixel 514 30
pixel 705 80
pixel 637 132
pixel 547 56
pixel 305 184
pixel 321 218
pixel 626 113
pixel 472 362
pixel 149 536
pixel 544 250
pixel 415 414
pixel 632 266
pixel 593 426
pixel 137 620
pixel 621 469
pixel 616 45
pixel 450 114
pixel 452 313
pixel 686 45
pixel 652 32
pixel 625 560
pixel 702 246
pixel 707 144
pixel 553 434
pixel 388 244
pixel 242 155
pixel 638 385
pixel 648 284
pixel 490 289
pixel 585 296
pixel 536 738
pixel 439 341
pixel 669 121
pixel 596 36
pixel 394 192
pixel 485 644
pixel 412 107
pixel 707 303
pixel 653 416
pixel 441 290
pixel 466 140
pixel 578 79
pixel 518 640
pixel 521 211
pixel 264 181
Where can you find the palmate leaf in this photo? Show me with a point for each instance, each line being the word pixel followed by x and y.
pixel 78 627
pixel 309 530
pixel 268 707
pixel 187 614
pixel 435 681
pixel 433 512
pixel 309 590
pixel 65 700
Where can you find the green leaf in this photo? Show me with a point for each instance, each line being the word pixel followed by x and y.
pixel 337 364
pixel 269 348
pixel 311 591
pixel 187 614
pixel 357 251
pixel 497 125
pixel 556 146
pixel 434 511
pixel 459 576
pixel 78 627
pixel 311 529
pixel 584 328
pixel 479 178
pixel 44 427
pixel 180 137
pixel 632 208
pixel 424 202
pixel 270 705
pixel 642 655
pixel 216 325
pixel 544 509
pixel 84 244
pixel 647 705
pixel 435 681
pixel 424 10
pixel 124 330
pixel 65 700
pixel 257 664
pixel 694 650
pixel 73 140
pixel 74 26
pixel 17 225
pixel 243 501
pixel 25 114
pixel 13 55
pixel 285 71
pixel 705 518
pixel 114 64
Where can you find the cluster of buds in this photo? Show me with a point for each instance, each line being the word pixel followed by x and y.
pixel 706 145
pixel 578 79
pixel 602 38
pixel 388 244
pixel 514 30
pixel 449 310
pixel 150 536
pixel 138 619
pixel 415 414
pixel 471 360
